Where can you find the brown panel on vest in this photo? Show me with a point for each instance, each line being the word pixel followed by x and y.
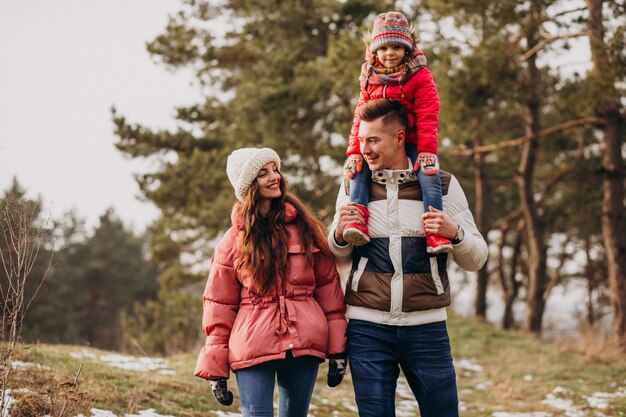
pixel 377 192
pixel 410 191
pixel 445 181
pixel 420 292
pixel 373 291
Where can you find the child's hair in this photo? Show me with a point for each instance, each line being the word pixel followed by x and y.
pixel 390 110
pixel 391 28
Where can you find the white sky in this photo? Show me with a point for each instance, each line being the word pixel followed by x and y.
pixel 63 64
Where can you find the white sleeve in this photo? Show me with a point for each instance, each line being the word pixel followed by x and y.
pixel 342 253
pixel 471 254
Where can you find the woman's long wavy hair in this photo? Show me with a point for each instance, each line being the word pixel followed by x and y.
pixel 265 239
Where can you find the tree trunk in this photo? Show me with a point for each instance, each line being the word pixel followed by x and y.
pixel 591 283
pixel 509 283
pixel 482 222
pixel 607 106
pixel 534 222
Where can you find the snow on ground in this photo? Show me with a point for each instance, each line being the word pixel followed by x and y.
pixel 96 412
pixel 8 402
pixel 132 363
pixel 21 364
pixel 225 414
pixel 531 414
pixel 602 399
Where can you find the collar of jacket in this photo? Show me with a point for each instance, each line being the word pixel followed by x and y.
pixel 393 176
pixel 236 216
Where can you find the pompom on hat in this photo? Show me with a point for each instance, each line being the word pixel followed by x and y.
pixel 391 28
pixel 243 165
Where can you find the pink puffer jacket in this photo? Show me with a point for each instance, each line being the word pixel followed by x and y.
pixel 304 314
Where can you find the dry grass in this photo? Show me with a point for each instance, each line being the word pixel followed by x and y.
pixel 518 372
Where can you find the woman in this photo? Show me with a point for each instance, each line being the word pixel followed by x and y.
pixel 273 304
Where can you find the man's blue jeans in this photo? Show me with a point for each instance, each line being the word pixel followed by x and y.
pixel 423 353
pixel 296 379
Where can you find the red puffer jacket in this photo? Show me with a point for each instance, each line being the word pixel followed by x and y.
pixel 304 313
pixel 420 97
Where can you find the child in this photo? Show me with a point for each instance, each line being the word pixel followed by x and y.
pixel 394 68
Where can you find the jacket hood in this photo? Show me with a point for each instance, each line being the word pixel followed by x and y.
pixel 236 217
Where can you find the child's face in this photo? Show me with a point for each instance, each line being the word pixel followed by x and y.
pixel 390 55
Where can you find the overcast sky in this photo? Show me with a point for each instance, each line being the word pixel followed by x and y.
pixel 63 64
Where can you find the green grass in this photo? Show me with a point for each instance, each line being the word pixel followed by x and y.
pixel 508 360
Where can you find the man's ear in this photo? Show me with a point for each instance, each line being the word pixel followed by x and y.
pixel 400 136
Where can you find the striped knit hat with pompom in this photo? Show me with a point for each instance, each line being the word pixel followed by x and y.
pixel 391 28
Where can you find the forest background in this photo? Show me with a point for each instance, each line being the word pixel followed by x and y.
pixel 538 149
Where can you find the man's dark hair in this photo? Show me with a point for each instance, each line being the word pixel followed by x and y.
pixel 389 110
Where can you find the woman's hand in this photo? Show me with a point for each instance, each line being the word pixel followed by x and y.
pixel 220 390
pixel 337 365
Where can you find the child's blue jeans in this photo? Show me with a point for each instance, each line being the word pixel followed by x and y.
pixel 430 184
pixel 296 379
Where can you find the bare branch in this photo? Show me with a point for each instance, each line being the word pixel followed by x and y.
pixel 563 13
pixel 540 45
pixel 563 173
pixel 465 151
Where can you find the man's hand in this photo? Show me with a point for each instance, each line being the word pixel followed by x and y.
pixel 348 214
pixel 337 365
pixel 439 223
pixel 220 390
pixel 353 164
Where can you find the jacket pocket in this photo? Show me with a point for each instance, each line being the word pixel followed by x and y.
pixel 356 276
pixel 300 273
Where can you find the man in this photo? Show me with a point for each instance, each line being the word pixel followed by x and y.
pixel 396 292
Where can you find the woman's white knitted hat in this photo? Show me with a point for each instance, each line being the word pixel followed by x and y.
pixel 244 164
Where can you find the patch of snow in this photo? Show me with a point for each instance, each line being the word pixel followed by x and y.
pixel 531 414
pixel 167 372
pixel 483 385
pixel 8 402
pixel 147 413
pixel 406 405
pixel 466 365
pixel 20 364
pixel 528 377
pixel 564 404
pixel 556 402
pixel 84 354
pixel 225 414
pixel 602 399
pixel 96 412
pixel 131 363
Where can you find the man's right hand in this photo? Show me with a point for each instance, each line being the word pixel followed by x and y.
pixel 220 390
pixel 348 214
pixel 353 164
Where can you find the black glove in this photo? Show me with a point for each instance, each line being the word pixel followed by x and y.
pixel 337 365
pixel 220 390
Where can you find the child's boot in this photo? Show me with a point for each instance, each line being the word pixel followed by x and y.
pixel 356 233
pixel 437 244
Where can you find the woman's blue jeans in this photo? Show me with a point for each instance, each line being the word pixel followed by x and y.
pixel 430 184
pixel 296 379
pixel 376 352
